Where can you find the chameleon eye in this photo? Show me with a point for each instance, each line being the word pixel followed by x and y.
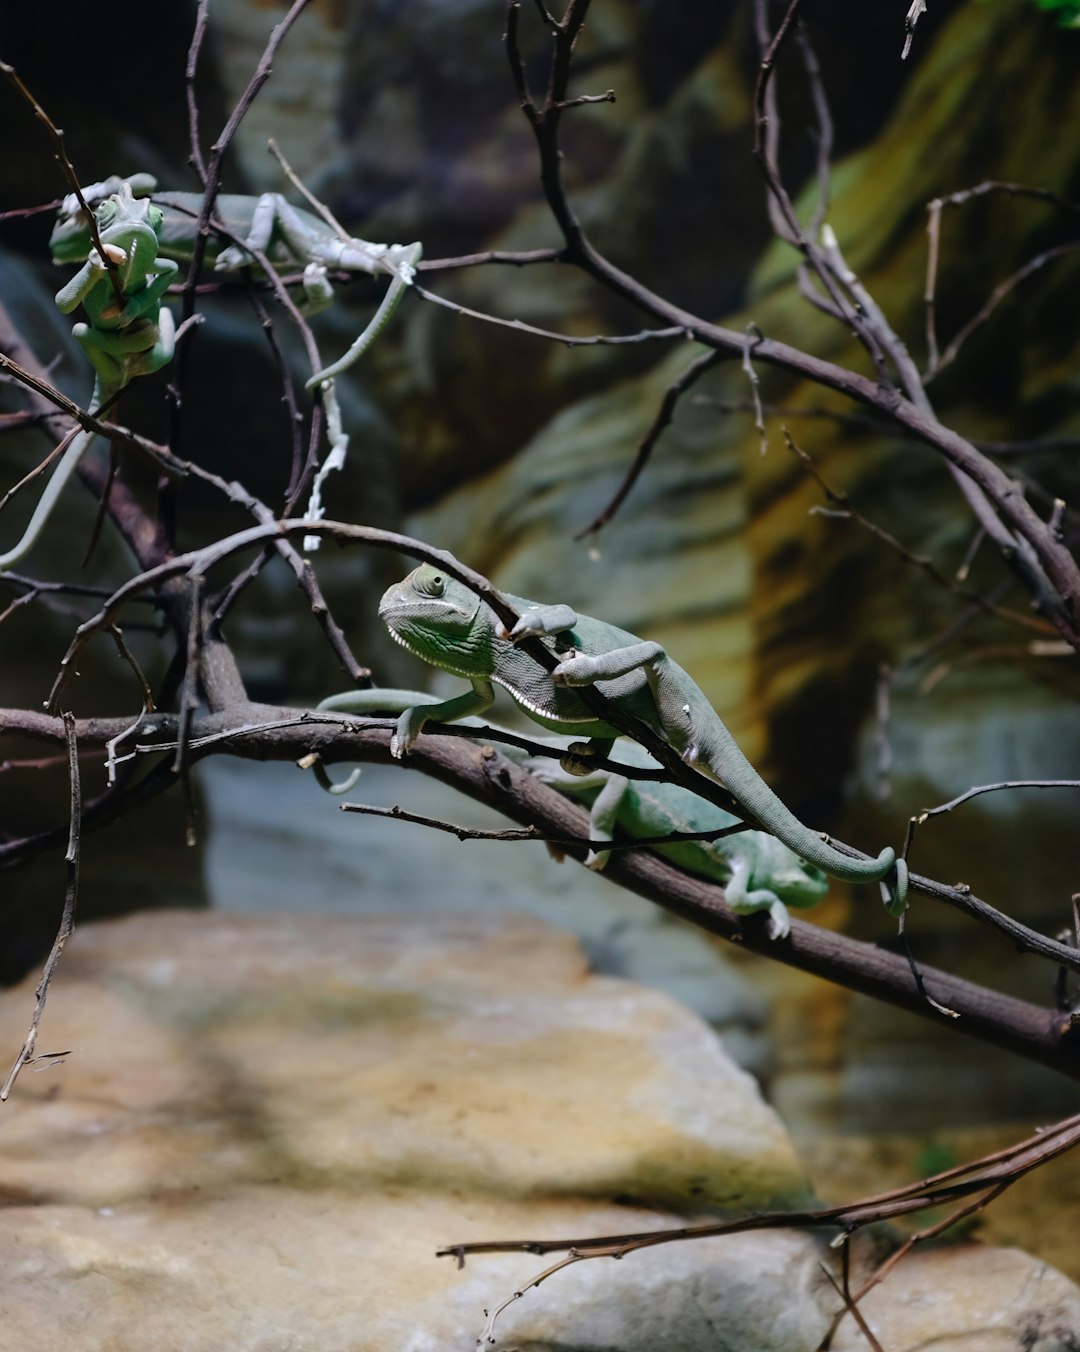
pixel 105 213
pixel 428 581
pixel 154 218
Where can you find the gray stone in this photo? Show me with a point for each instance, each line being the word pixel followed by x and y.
pixel 263 1127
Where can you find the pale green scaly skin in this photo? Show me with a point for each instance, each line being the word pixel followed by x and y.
pixel 288 235
pixel 757 872
pixel 446 624
pixel 122 341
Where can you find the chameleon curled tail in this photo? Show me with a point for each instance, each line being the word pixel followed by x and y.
pixel 743 781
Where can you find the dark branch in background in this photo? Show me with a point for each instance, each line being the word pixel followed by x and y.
pixel 844 510
pixel 1026 541
pixel 61 156
pixel 210 175
pixel 665 413
pixel 999 293
pixel 67 919
pixel 198 36
pixel 464 833
pixel 934 212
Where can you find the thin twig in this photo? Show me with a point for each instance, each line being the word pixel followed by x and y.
pixel 980 1175
pixel 464 833
pixel 847 512
pixel 61 156
pixel 202 16
pixel 934 210
pixel 567 339
pixel 664 415
pixel 995 298
pixel 67 918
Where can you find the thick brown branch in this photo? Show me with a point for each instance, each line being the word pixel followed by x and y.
pixel 262 732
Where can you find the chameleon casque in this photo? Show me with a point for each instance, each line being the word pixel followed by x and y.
pixel 446 624
pixel 757 872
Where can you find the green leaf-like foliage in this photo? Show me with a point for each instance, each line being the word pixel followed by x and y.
pixel 1067 11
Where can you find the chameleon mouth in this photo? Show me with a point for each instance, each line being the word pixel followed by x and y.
pixel 443 664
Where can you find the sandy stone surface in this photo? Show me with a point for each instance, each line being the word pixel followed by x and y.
pixel 266 1126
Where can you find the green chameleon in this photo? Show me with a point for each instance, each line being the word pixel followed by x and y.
pixel 446 624
pixel 757 872
pixel 128 335
pixel 288 235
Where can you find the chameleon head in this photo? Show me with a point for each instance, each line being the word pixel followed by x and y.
pixel 70 239
pixel 124 213
pixel 435 617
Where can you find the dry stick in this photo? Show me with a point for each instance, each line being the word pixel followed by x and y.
pixel 464 833
pixel 40 468
pixel 61 156
pixel 319 208
pixel 22 213
pixel 843 1290
pixel 981 1175
pixel 129 657
pixel 999 293
pixel 824 129
pixel 224 140
pixel 91 422
pixel 67 919
pixel 292 408
pixel 664 414
pixel 782 215
pixel 515 257
pixel 753 334
pixel 924 816
pixel 202 16
pixel 934 211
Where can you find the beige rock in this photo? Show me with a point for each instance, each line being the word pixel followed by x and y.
pixel 265 1126
pixel 957 1300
